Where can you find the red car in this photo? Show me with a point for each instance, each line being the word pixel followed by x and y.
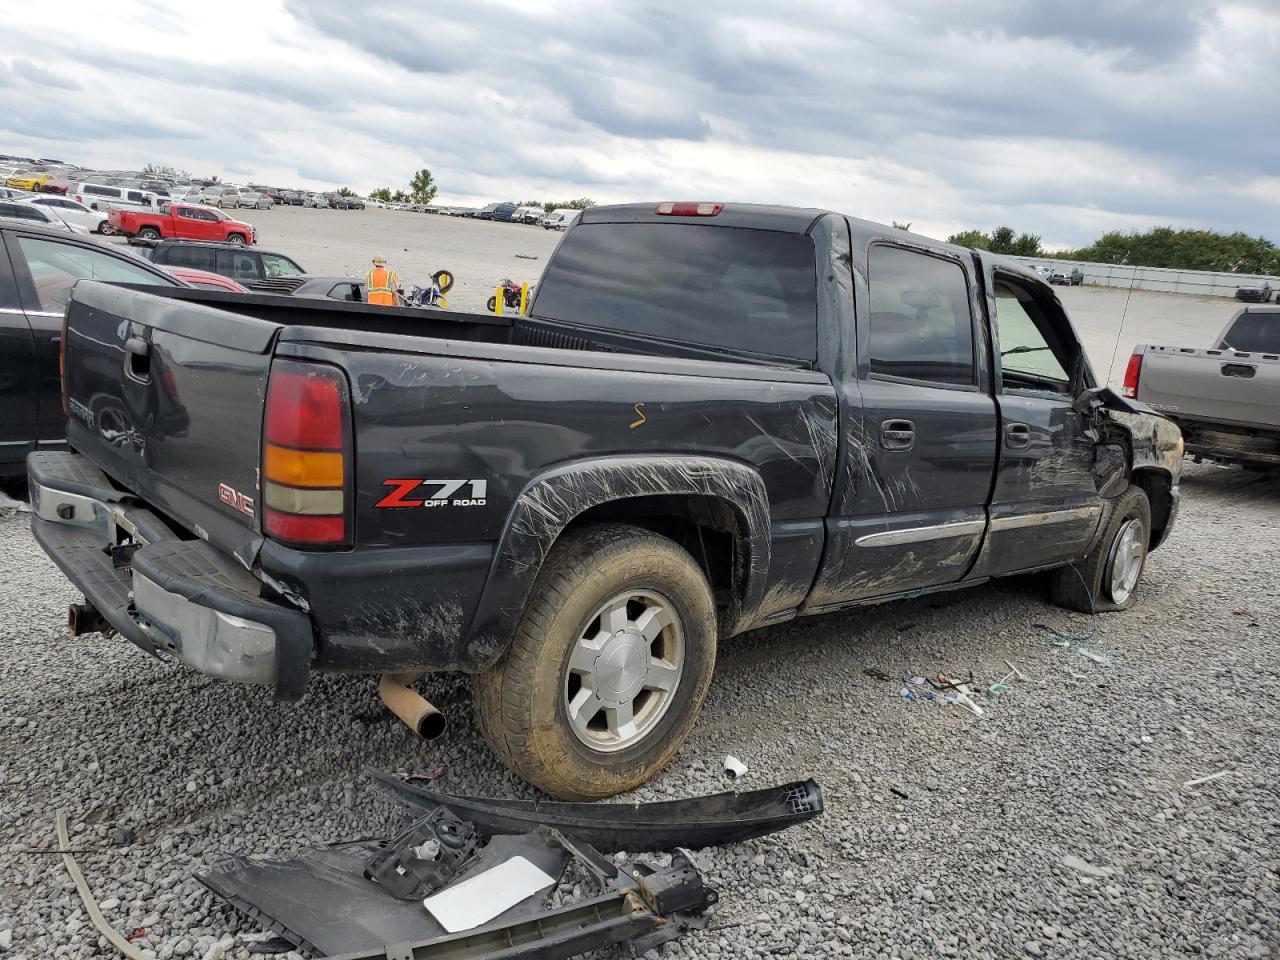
pixel 187 221
pixel 205 279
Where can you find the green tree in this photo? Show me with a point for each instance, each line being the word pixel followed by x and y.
pixel 382 193
pixel 581 203
pixel 164 170
pixel 971 238
pixel 1185 250
pixel 423 187
pixel 400 197
pixel 346 192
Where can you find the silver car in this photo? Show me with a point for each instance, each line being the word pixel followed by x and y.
pixel 217 196
pixel 254 200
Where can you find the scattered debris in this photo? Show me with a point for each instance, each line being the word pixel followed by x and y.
pixel 425 776
pixel 270 947
pixel 348 899
pixel 1188 784
pixel 525 256
pixel 734 768
pixel 86 896
pixel 1073 643
pixel 997 690
pixel 899 793
pixel 916 681
pixel 875 673
pixel 10 507
pixel 1087 868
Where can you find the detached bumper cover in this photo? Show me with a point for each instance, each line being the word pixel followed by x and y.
pixel 163 593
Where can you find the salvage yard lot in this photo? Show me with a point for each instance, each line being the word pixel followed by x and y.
pixel 1056 825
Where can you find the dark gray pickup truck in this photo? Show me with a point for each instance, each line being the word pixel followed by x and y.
pixel 715 417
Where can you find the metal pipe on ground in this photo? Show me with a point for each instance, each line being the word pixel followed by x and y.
pixel 417 712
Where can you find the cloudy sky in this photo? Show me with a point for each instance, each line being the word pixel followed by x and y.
pixel 1065 119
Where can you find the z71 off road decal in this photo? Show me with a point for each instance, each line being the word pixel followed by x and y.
pixel 433 493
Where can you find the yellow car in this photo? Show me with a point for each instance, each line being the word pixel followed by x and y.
pixel 28 181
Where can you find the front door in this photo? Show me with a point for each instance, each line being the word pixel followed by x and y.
pixel 919 426
pixel 1045 505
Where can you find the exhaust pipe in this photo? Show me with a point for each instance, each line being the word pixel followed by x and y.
pixel 84 618
pixel 418 713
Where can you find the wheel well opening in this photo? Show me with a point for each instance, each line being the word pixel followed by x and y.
pixel 1156 484
pixel 707 527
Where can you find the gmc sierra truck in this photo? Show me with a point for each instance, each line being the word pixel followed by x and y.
pixel 715 417
pixel 1224 398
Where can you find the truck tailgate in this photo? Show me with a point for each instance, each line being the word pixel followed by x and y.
pixel 1222 386
pixel 166 396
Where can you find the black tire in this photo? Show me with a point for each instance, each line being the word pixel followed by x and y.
pixel 520 702
pixel 444 280
pixel 492 305
pixel 1085 586
pixel 237 239
pixel 148 233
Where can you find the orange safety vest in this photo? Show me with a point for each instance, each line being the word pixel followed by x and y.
pixel 380 285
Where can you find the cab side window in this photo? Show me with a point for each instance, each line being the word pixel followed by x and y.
pixel 920 326
pixel 1031 358
pixel 245 266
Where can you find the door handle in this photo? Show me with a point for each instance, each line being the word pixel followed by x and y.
pixel 137 358
pixel 1017 436
pixel 897 434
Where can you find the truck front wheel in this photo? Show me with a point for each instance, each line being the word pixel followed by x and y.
pixel 609 665
pixel 1107 577
pixel 148 233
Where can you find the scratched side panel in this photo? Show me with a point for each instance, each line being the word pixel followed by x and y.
pixel 511 449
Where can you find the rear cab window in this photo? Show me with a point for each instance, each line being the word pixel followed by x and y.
pixel 729 287
pixel 1254 332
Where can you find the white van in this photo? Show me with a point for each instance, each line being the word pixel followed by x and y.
pixel 560 219
pixel 100 196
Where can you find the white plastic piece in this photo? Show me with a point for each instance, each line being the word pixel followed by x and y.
pixel 734 768
pixel 480 898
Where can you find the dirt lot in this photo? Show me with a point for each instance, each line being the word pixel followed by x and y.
pixel 1057 825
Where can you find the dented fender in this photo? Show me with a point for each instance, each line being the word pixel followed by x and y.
pixel 551 502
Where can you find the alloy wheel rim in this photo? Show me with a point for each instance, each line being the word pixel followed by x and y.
pixel 623 670
pixel 1126 561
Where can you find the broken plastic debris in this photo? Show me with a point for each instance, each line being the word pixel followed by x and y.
pixel 483 896
pixel 997 690
pixel 734 768
pixel 916 681
pixel 1188 784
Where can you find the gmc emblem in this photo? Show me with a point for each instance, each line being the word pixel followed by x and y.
pixel 235 499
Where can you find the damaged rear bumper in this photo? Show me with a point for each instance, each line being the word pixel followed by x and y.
pixel 161 592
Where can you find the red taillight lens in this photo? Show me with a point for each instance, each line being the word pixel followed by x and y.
pixel 305 455
pixel 1132 374
pixel 689 209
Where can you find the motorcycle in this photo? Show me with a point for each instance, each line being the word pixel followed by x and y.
pixel 510 296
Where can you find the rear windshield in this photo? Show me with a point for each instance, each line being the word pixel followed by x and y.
pixel 1254 333
pixel 752 290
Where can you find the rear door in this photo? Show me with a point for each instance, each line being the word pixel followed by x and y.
pixel 1045 505
pixel 918 422
pixel 18 382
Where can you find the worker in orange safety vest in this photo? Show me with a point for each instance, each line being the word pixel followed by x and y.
pixel 381 283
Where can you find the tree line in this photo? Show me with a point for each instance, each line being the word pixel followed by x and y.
pixel 1184 249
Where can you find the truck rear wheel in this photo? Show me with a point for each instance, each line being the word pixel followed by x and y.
pixel 148 233
pixel 609 666
pixel 1107 577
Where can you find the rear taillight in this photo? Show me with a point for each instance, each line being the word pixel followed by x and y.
pixel 689 209
pixel 1132 374
pixel 306 444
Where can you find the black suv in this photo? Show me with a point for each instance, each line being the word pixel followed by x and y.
pixel 252 267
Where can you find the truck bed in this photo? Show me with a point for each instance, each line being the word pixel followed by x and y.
pixel 1217 386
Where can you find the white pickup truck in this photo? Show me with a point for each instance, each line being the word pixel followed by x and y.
pixel 1225 398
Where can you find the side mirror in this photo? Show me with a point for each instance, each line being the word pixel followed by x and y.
pixel 1085 400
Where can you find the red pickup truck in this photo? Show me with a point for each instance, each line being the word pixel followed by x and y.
pixel 185 220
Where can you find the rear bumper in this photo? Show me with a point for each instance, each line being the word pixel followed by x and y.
pixel 160 592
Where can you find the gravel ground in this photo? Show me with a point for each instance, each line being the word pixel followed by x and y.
pixel 1057 825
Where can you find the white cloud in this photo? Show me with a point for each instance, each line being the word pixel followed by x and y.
pixel 996 111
